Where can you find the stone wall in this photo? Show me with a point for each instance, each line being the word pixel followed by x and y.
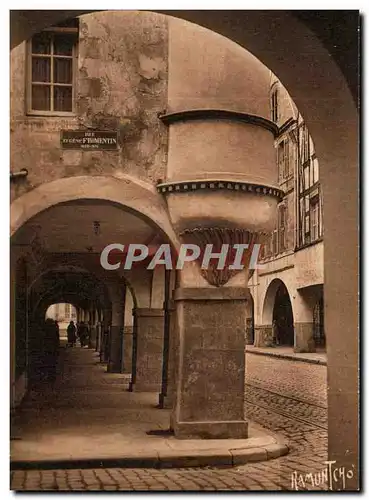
pixel 121 85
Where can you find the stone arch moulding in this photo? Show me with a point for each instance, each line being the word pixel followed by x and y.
pixel 131 195
pixel 80 267
pixel 269 299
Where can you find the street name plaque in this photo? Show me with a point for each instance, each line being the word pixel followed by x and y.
pixel 89 140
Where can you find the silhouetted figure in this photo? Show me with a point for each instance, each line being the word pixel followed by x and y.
pixel 51 348
pixel 71 334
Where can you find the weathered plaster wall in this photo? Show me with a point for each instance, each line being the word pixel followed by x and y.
pixel 310 266
pixel 121 85
pixel 208 70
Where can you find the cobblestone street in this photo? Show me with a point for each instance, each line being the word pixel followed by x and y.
pixel 285 396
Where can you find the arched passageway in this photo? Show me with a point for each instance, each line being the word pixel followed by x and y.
pixel 72 287
pixel 283 330
pixel 84 381
pixel 277 315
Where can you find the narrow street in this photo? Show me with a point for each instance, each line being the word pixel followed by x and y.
pixel 287 397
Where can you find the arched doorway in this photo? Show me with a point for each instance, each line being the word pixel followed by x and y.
pixel 283 331
pixel 278 315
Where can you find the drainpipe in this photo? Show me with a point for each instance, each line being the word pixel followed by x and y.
pixel 16 175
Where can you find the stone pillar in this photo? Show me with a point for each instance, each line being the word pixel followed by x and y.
pixel 304 301
pixel 93 331
pixel 116 332
pixel 98 330
pixel 263 336
pixel 166 339
pixel 149 350
pixel 167 399
pixel 211 365
pixel 128 332
pixel 127 348
pixel 249 334
pixel 98 336
pixel 304 337
pixel 105 335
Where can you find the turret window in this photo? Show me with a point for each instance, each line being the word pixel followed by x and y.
pixel 274 106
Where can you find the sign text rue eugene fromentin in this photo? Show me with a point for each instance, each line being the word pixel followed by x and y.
pixel 88 140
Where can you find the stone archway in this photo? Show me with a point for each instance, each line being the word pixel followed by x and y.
pixel 277 317
pixel 283 330
pixel 132 195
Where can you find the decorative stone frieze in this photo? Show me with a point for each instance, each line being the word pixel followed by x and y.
pixel 216 236
pixel 213 185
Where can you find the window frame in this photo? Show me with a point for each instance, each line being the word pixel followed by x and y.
pixel 283 153
pixel 315 209
pixel 72 31
pixel 282 228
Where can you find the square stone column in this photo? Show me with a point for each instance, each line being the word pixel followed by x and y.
pixel 93 335
pixel 211 363
pixel 115 349
pixel 105 336
pixel 263 336
pixel 167 395
pixel 127 348
pixel 116 329
pixel 149 350
pixel 304 337
pixel 249 334
pixel 98 336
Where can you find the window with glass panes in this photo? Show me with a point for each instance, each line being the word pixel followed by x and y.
pixel 282 228
pixel 51 73
pixel 314 218
pixel 310 217
pixel 283 159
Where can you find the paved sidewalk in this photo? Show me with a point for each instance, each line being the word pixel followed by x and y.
pixel 89 419
pixel 318 358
